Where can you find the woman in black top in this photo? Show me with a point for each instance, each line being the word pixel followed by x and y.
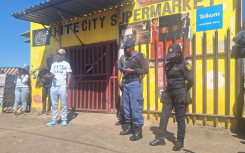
pixel 176 95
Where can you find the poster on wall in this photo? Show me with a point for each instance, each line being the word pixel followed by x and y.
pixel 141 3
pixel 41 37
pixel 209 18
pixel 154 30
pixel 139 32
pixel 176 25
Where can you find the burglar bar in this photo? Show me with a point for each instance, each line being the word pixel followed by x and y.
pixel 193 114
pixel 216 87
pixel 216 70
pixel 228 57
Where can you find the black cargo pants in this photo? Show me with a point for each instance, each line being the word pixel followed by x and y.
pixel 45 94
pixel 172 98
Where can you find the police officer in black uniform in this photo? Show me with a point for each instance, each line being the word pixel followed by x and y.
pixel 133 102
pixel 176 95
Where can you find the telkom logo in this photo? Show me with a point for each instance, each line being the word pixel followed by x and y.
pixel 206 16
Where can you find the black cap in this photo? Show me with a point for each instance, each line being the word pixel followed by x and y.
pixel 173 50
pixel 128 43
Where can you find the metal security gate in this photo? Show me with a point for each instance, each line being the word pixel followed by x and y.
pixel 9 91
pixel 94 77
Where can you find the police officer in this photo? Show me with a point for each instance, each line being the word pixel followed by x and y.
pixel 133 101
pixel 176 95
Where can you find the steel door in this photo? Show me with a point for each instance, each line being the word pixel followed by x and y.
pixel 94 77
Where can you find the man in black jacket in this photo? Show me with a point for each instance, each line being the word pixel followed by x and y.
pixel 44 74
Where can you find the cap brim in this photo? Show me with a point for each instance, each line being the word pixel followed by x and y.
pixel 171 55
pixel 23 69
pixel 123 47
pixel 60 53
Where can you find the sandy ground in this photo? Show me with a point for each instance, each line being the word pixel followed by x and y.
pixel 96 132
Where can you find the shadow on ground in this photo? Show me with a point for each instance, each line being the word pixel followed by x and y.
pixel 70 116
pixel 168 135
pixel 240 136
pixel 188 151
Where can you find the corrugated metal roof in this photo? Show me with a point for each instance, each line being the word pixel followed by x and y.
pixel 25 34
pixel 46 13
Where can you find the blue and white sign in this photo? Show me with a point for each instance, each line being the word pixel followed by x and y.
pixel 209 18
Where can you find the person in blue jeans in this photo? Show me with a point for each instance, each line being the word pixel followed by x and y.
pixel 60 72
pixel 21 89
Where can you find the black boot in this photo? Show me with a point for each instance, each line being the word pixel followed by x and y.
pixel 179 143
pixel 127 131
pixel 137 134
pixel 159 140
pixel 118 123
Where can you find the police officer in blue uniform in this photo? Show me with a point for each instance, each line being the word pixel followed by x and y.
pixel 176 95
pixel 133 101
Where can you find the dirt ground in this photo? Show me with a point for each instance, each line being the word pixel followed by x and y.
pixel 96 132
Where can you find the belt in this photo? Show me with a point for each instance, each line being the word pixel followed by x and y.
pixel 130 80
pixel 176 86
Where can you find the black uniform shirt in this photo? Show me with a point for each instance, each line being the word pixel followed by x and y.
pixel 177 73
pixel 138 63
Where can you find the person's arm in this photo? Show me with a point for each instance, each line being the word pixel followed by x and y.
pixel 120 68
pixel 68 72
pixel 16 76
pixel 188 75
pixel 52 71
pixel 25 79
pixel 119 78
pixel 68 80
pixel 144 68
pixel 120 64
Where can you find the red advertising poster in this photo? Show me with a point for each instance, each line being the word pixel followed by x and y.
pixel 160 81
pixel 154 30
pixel 160 77
pixel 180 42
pixel 159 50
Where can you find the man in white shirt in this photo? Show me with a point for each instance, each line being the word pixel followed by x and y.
pixel 59 71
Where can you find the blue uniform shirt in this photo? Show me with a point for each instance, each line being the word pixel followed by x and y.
pixel 137 63
pixel 121 63
pixel 177 73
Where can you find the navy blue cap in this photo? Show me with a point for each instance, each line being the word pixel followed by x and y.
pixel 173 50
pixel 128 43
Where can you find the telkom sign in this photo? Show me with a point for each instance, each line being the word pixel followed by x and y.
pixel 209 18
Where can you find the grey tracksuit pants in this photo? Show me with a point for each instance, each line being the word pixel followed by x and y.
pixel 57 92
